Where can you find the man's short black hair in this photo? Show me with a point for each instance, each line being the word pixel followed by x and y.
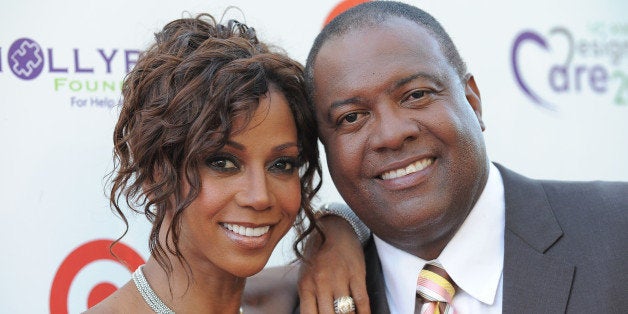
pixel 373 13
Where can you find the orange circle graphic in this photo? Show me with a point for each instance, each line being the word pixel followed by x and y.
pixel 341 7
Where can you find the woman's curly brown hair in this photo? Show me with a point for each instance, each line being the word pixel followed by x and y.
pixel 180 101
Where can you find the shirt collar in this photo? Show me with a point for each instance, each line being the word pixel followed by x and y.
pixel 473 258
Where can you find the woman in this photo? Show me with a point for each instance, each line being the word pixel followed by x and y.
pixel 216 145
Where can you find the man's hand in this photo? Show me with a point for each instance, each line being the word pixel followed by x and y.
pixel 333 270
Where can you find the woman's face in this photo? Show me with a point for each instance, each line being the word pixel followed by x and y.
pixel 250 194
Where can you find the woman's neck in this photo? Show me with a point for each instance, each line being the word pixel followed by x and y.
pixel 195 289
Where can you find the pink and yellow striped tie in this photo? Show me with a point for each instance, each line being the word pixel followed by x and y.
pixel 434 287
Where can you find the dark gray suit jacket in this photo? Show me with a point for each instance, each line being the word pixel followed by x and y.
pixel 566 248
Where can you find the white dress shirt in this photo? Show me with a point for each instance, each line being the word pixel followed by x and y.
pixel 473 259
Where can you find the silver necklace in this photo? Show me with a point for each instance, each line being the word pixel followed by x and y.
pixel 148 294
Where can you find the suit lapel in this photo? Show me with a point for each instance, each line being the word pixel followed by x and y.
pixel 533 282
pixel 375 285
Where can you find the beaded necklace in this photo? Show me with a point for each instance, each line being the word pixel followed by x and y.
pixel 149 294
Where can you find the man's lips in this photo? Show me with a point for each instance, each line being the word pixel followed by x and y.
pixel 409 169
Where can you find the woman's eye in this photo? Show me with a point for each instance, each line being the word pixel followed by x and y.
pixel 284 165
pixel 222 164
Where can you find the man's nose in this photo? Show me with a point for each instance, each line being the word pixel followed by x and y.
pixel 393 127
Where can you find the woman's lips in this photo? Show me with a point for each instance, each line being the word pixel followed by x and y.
pixel 247 231
pixel 250 238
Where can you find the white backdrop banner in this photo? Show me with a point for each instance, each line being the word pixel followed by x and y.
pixel 553 77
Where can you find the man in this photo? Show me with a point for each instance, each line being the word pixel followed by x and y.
pixel 401 122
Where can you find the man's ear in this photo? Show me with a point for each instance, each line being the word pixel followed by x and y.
pixel 473 97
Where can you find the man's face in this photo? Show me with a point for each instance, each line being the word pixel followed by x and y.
pixel 402 133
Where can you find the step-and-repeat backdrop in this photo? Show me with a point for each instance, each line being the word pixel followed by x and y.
pixel 553 77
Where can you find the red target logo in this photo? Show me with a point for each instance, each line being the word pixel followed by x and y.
pixel 79 258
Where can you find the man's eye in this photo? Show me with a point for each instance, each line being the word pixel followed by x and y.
pixel 352 117
pixel 417 94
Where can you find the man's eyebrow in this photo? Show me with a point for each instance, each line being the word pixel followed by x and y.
pixel 341 103
pixel 436 79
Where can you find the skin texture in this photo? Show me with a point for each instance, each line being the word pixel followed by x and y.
pixel 391 103
pixel 385 98
pixel 253 181
pixel 272 290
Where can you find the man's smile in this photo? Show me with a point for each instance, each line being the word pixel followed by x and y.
pixel 411 168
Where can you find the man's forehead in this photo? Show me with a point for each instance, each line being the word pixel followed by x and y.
pixel 380 47
pixel 397 24
pixel 356 38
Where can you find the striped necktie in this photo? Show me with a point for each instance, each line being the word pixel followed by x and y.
pixel 434 287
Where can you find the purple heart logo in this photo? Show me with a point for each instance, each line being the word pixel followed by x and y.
pixel 535 38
